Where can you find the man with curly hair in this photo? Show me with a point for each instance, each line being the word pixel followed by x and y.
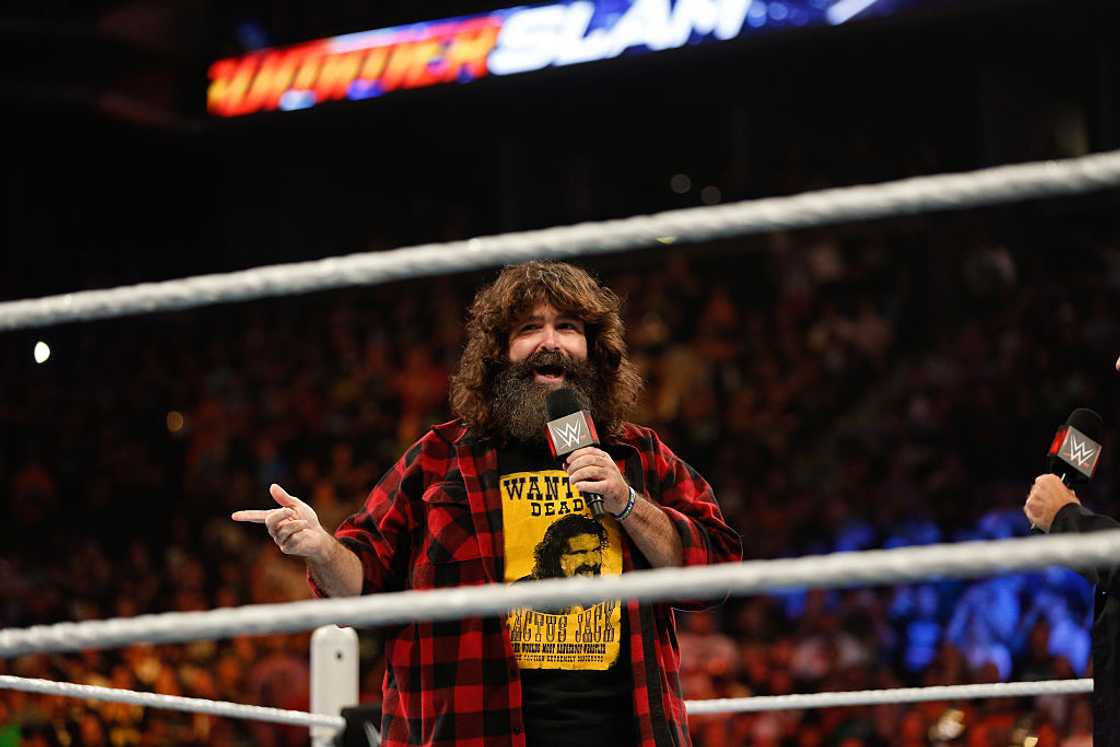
pixel 471 501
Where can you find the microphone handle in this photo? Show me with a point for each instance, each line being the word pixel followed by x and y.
pixel 595 503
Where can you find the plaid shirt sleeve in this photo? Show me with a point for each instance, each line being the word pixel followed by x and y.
pixel 380 532
pixel 447 683
pixel 688 500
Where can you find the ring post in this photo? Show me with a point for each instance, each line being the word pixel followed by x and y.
pixel 334 676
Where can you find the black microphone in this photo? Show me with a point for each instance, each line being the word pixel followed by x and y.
pixel 1075 451
pixel 569 428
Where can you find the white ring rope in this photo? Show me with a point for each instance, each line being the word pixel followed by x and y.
pixel 908 196
pixel 960 560
pixel 884 697
pixel 172 702
pixel 753 704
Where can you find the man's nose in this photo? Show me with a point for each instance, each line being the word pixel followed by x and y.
pixel 549 339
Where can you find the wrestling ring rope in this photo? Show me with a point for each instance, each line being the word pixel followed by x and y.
pixel 910 196
pixel 695 707
pixel 905 197
pixel 960 560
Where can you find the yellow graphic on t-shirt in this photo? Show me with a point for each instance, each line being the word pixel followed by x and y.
pixel 549 533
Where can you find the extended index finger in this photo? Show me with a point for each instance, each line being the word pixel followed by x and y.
pixel 257 516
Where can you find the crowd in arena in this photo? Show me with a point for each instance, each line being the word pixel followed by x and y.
pixel 872 386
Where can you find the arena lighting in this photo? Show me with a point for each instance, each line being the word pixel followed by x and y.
pixel 846 9
pixel 508 41
pixel 42 352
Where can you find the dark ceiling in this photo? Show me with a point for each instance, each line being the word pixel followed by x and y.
pixel 101 187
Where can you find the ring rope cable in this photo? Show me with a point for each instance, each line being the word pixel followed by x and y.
pixel 172 702
pixel 753 704
pixel 915 195
pixel 886 697
pixel 902 565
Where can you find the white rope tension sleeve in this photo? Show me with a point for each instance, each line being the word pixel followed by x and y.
pixel 908 196
pixel 960 560
pixel 172 702
pixel 880 697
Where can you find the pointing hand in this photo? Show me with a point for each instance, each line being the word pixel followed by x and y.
pixel 294 526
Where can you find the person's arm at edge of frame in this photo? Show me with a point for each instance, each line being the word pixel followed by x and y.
pixel 1054 508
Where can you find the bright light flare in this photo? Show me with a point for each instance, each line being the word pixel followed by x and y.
pixel 42 352
pixel 846 9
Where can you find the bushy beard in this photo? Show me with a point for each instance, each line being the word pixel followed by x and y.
pixel 520 403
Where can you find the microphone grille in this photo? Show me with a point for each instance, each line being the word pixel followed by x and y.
pixel 562 402
pixel 1088 422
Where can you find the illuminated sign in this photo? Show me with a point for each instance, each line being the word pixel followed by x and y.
pixel 503 42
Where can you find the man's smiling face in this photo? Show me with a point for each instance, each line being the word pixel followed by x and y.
pixel 547 350
pixel 544 333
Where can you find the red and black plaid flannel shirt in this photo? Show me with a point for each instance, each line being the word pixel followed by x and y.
pixel 435 521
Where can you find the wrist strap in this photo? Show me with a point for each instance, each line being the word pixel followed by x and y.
pixel 630 501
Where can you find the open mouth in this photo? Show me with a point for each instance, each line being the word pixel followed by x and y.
pixel 549 374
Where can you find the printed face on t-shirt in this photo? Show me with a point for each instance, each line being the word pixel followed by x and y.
pixel 549 533
pixel 582 557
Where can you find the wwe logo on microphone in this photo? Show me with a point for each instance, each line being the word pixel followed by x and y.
pixel 1080 452
pixel 568 433
pixel 571 432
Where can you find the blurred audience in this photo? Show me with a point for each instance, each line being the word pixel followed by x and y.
pixel 874 386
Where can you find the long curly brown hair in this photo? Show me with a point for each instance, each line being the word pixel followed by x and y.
pixel 517 291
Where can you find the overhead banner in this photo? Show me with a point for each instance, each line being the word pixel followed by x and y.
pixel 502 42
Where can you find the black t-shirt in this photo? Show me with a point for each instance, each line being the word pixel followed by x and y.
pixel 575 663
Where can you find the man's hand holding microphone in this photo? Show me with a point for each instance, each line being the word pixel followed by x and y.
pixel 1073 458
pixel 1047 497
